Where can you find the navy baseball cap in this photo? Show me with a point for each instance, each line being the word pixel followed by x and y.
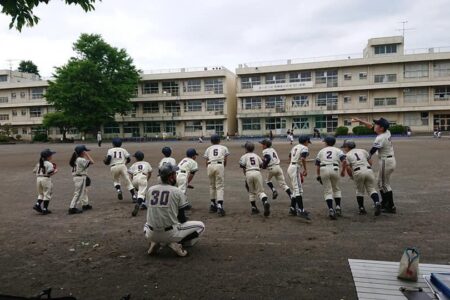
pixel 191 152
pixel 382 122
pixel 348 144
pixel 80 149
pixel 304 139
pixel 46 153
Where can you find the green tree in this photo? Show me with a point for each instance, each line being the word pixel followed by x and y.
pixel 95 85
pixel 59 120
pixel 21 11
pixel 27 66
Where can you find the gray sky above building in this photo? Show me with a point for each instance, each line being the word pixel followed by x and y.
pixel 170 34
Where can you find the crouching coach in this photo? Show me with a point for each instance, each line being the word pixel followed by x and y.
pixel 167 224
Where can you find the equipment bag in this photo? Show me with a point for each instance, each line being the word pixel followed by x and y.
pixel 409 265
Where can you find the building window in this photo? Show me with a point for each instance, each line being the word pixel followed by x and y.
pixel 275 102
pixel 170 87
pixel 13 95
pixel 441 69
pixel 362 75
pixel 4 117
pixel 416 70
pixel 216 105
pixel 347 99
pixel 111 128
pixel 14 113
pixel 328 100
pixel 442 93
pixel 275 78
pixel 300 101
pixel 247 82
pixel 214 85
pixel 362 99
pixel 386 49
pixel 300 123
pixel 251 103
pixel 415 95
pixel 214 126
pixel 275 123
pixel 150 87
pixel 416 119
pixel 385 78
pixel 329 77
pixel 390 101
pixel 131 127
pixel 37 93
pixel 193 105
pixel 251 124
pixel 329 123
pixel 170 127
pixel 35 112
pixel 152 127
pixel 150 107
pixel 4 99
pixel 192 86
pixel 3 78
pixel 192 126
pixel 442 122
pixel 347 122
pixel 171 107
pixel 300 76
pixel 348 76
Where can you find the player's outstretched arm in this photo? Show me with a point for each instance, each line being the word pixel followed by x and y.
pixel 88 156
pixel 367 124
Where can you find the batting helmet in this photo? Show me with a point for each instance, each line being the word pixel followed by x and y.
pixel 348 144
pixel 47 153
pixel 167 170
pixel 266 142
pixel 330 140
pixel 249 146
pixel 304 139
pixel 139 155
pixel 215 139
pixel 80 149
pixel 166 151
pixel 117 142
pixel 191 152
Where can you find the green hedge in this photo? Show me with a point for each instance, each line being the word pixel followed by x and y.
pixel 397 129
pixel 362 130
pixel 342 130
pixel 4 139
pixel 40 137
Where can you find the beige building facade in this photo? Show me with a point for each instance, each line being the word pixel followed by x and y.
pixel 411 89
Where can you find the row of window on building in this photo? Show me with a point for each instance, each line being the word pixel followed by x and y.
pixel 36 93
pixel 214 85
pixel 211 105
pixel 169 127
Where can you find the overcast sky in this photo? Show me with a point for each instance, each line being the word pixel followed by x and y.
pixel 180 33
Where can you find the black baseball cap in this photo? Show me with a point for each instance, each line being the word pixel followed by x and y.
pixel 80 149
pixel 382 122
pixel 46 153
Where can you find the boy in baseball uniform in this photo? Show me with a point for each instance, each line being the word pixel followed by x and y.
pixel 216 161
pixel 187 169
pixel 327 165
pixel 167 152
pixel 297 157
pixel 359 168
pixel 271 162
pixel 386 160
pixel 117 157
pixel 140 173
pixel 80 162
pixel 251 165
pixel 44 170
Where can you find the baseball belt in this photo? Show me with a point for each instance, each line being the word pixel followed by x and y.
pixel 358 168
pixel 165 229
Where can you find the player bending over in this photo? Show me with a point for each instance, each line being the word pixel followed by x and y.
pixel 251 164
pixel 167 152
pixel 140 173
pixel 359 168
pixel 44 170
pixel 166 220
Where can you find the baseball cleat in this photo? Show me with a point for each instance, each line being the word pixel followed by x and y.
pixel 220 212
pixel 275 195
pixel 74 210
pixel 178 249
pixel 390 210
pixel 377 209
pixel 86 207
pixel 153 249
pixel 362 211
pixel 304 214
pixel 135 210
pixel 255 210
pixel 37 208
pixel 213 208
pixel 46 211
pixel 134 199
pixel 332 214
pixel 292 211
pixel 338 211
pixel 119 195
pixel 266 209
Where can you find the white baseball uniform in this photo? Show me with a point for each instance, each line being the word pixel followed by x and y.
pixel 162 225
pixel 140 171
pixel 44 183
pixel 215 156
pixel 329 160
pixel 358 160
pixel 79 173
pixel 274 169
pixel 165 160
pixel 387 161
pixel 187 166
pixel 119 170
pixel 251 163
pixel 294 169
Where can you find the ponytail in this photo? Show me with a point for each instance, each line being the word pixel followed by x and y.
pixel 41 166
pixel 72 160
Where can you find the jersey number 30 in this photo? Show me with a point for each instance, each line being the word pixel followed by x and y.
pixel 162 198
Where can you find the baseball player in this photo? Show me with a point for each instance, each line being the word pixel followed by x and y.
pixel 44 170
pixel 359 167
pixel 80 162
pixel 167 152
pixel 298 156
pixel 216 161
pixel 251 164
pixel 327 165
pixel 140 173
pixel 187 169
pixel 386 159
pixel 117 158
pixel 166 220
pixel 271 162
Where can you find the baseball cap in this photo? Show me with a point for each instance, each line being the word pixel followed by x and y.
pixel 80 149
pixel 304 139
pixel 382 122
pixel 46 153
pixel 191 152
pixel 348 144
pixel 266 142
pixel 167 169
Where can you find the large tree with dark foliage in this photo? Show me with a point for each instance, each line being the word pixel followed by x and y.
pixel 27 66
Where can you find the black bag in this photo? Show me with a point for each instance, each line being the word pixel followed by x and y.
pixel 88 181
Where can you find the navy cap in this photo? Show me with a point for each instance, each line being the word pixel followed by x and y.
pixel 304 139
pixel 191 152
pixel 348 144
pixel 382 122
pixel 46 153
pixel 80 149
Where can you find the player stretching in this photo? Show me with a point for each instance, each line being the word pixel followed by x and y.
pixel 44 170
pixel 271 162
pixel 387 163
pixel 117 158
pixel 216 161
pixel 327 165
pixel 140 173
pixel 359 168
pixel 166 220
pixel 298 156
pixel 251 164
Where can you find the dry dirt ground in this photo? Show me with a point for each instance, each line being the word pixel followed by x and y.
pixel 101 254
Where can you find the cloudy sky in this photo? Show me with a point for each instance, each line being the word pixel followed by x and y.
pixel 162 34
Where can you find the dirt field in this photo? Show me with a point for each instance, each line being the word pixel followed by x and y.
pixel 101 254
